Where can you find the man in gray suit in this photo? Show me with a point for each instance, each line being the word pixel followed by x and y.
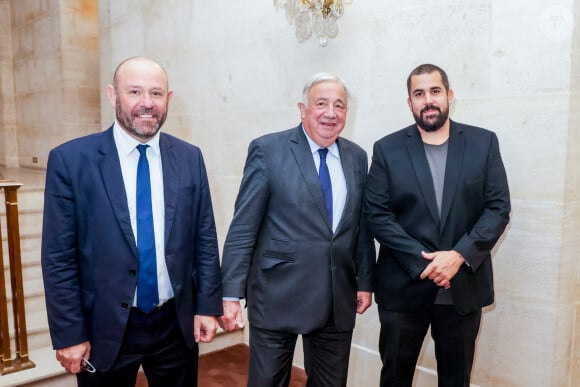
pixel 297 247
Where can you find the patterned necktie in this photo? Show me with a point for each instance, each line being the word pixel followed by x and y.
pixel 324 177
pixel 147 294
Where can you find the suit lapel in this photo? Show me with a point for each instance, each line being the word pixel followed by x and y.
pixel 303 157
pixel 416 151
pixel 348 168
pixel 112 177
pixel 170 181
pixel 452 169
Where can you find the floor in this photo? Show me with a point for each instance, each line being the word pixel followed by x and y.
pixel 228 368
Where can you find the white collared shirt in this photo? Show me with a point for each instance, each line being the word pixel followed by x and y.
pixel 337 178
pixel 129 157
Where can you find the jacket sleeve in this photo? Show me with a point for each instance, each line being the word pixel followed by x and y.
pixel 59 257
pixel 476 244
pixel 250 208
pixel 365 251
pixel 209 290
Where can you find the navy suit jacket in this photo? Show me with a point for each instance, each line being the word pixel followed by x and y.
pixel 281 252
pixel 403 217
pixel 89 255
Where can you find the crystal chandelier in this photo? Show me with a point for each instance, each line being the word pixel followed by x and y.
pixel 316 17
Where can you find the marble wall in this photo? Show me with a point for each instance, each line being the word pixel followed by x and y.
pixel 49 66
pixel 8 138
pixel 237 72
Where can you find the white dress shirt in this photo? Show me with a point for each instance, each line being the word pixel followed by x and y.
pixel 337 179
pixel 129 157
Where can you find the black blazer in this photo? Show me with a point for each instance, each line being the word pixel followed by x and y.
pixel 402 216
pixel 280 251
pixel 89 255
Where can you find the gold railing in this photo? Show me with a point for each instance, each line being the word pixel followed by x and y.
pixel 20 360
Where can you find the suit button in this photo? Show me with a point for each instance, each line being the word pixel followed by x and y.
pixel 132 273
pixel 124 305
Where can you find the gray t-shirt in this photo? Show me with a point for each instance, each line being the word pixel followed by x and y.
pixel 437 158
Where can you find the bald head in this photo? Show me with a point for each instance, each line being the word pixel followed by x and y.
pixel 138 63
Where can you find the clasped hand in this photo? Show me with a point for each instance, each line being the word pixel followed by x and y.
pixel 443 267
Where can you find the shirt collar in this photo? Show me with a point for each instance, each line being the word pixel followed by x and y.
pixel 314 147
pixel 127 144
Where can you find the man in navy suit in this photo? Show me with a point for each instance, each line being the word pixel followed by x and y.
pixel 90 256
pixel 437 201
pixel 297 246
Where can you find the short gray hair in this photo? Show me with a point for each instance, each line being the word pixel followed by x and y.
pixel 323 77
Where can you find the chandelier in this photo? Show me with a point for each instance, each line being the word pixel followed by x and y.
pixel 313 17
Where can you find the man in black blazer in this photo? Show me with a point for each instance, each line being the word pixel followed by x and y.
pixel 437 201
pixel 92 256
pixel 303 261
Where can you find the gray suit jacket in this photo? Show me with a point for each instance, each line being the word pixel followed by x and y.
pixel 280 251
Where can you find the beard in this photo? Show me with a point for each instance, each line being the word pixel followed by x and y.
pixel 431 126
pixel 147 129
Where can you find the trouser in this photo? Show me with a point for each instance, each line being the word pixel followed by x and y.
pixel 326 356
pixel 155 342
pixel 402 335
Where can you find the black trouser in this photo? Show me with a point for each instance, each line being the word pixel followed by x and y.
pixel 326 355
pixel 155 342
pixel 402 336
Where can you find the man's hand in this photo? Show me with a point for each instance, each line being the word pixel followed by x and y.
pixel 71 357
pixel 204 328
pixel 443 267
pixel 363 301
pixel 232 318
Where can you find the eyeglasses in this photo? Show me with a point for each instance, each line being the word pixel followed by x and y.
pixel 87 366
